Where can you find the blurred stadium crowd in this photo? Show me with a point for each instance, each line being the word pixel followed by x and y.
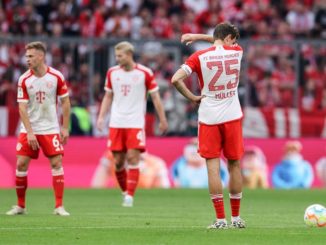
pixel 272 78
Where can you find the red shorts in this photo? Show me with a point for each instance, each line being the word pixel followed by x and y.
pixel 215 138
pixel 49 143
pixel 122 139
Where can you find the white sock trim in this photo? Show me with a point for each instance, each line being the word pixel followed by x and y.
pixel 21 173
pixel 57 172
pixel 133 166
pixel 120 170
pixel 235 218
pixel 221 220
pixel 236 196
pixel 214 196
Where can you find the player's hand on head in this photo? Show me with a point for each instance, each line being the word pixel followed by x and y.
pixel 187 38
pixel 32 141
pixel 64 135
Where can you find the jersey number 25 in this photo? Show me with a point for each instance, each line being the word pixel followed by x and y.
pixel 212 86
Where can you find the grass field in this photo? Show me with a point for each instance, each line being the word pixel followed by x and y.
pixel 174 216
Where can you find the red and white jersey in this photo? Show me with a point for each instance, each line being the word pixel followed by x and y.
pixel 218 69
pixel 40 94
pixel 129 90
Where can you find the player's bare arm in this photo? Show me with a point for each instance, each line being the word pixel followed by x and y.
pixel 163 125
pixel 106 104
pixel 178 82
pixel 64 134
pixel 31 138
pixel 189 38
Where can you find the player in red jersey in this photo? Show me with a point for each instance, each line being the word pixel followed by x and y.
pixel 219 113
pixel 38 90
pixel 126 86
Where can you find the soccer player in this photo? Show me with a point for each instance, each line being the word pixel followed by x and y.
pixel 126 89
pixel 219 114
pixel 38 89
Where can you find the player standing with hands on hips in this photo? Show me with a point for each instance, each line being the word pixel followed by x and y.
pixel 38 89
pixel 126 89
pixel 219 113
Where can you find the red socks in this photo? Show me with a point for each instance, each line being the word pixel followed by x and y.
pixel 21 186
pixel 58 185
pixel 57 181
pixel 132 179
pixel 128 182
pixel 218 203
pixel 122 179
pixel 235 204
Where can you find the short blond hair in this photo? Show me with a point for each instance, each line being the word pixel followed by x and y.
pixel 36 45
pixel 125 46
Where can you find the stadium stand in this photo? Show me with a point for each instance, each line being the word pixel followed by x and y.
pixel 289 73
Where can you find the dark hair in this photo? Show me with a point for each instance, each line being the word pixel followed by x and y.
pixel 224 29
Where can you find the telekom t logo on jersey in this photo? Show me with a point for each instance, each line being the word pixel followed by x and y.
pixel 125 89
pixel 40 96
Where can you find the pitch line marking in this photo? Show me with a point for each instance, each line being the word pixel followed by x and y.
pixel 100 227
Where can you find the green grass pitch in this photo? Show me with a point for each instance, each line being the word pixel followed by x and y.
pixel 176 216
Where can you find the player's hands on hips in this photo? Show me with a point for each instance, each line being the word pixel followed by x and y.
pixel 64 135
pixel 163 126
pixel 187 38
pixel 197 99
pixel 99 124
pixel 32 141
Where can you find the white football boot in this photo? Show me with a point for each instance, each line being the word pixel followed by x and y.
pixel 128 201
pixel 61 211
pixel 218 224
pixel 16 210
pixel 238 223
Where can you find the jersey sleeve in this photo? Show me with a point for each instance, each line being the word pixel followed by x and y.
pixel 191 65
pixel 108 83
pixel 22 95
pixel 151 84
pixel 62 88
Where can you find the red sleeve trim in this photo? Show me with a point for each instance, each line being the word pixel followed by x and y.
pixel 150 82
pixel 108 84
pixel 23 86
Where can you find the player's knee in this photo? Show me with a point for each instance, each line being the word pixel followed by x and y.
pixel 22 165
pixel 233 164
pixel 119 166
pixel 132 159
pixel 56 162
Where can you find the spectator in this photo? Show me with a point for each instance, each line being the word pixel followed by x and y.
pixel 293 171
pixel 80 121
pixel 300 19
pixel 119 24
pixel 320 22
pixel 321 170
pixel 268 91
pixel 189 170
pixel 310 96
pixel 153 172
pixel 284 77
pixel 198 6
pixel 254 168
